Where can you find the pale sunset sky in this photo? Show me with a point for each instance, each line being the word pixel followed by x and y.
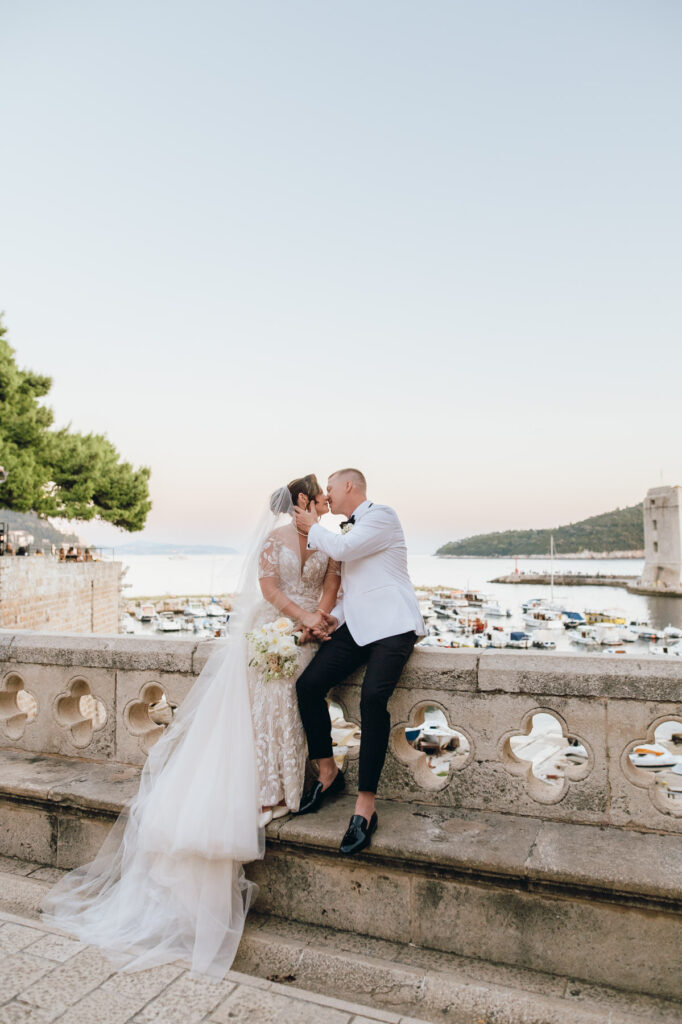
pixel 438 240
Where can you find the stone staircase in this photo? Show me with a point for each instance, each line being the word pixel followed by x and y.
pixel 459 915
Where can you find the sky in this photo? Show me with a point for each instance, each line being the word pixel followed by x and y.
pixel 437 240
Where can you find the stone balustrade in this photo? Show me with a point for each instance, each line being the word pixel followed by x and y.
pixel 554 815
pixel 107 699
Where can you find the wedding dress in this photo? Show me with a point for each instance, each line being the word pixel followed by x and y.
pixel 281 747
pixel 168 882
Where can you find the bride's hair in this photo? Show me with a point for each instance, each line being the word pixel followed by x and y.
pixel 307 485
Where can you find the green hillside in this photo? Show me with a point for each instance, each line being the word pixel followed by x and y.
pixel 621 530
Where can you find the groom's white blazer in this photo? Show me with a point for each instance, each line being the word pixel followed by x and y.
pixel 378 598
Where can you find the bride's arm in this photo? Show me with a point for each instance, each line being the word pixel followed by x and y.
pixel 330 587
pixel 268 578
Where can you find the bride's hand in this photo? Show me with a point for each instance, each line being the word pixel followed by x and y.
pixel 304 519
pixel 313 620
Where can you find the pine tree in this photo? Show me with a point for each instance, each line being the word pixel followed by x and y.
pixel 58 472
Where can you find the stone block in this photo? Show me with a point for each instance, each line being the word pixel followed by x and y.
pixel 67 983
pixel 184 1001
pixel 79 839
pixel 267 1007
pixel 594 940
pixel 580 675
pixel 19 971
pixel 608 859
pixel 328 891
pixel 98 787
pixel 28 832
pixel 22 896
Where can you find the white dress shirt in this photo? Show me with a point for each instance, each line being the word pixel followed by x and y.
pixel 378 597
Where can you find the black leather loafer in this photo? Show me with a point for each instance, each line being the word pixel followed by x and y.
pixel 313 799
pixel 358 834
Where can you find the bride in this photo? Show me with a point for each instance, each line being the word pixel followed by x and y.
pixel 168 882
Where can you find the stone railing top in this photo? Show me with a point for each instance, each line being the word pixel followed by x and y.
pixel 645 677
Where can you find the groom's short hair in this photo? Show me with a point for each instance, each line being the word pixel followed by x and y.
pixel 355 475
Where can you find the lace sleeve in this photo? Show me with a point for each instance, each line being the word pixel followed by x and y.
pixel 333 568
pixel 268 560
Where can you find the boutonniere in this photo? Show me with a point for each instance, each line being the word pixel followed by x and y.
pixel 345 527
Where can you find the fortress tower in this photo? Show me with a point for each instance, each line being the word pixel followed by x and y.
pixel 662 540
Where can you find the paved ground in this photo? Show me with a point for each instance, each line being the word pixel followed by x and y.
pixel 46 976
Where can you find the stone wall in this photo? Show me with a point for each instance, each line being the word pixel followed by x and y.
pixel 105 699
pixel 77 597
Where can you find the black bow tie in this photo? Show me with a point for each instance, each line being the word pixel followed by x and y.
pixel 348 522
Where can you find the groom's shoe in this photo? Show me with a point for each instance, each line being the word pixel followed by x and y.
pixel 312 800
pixel 359 833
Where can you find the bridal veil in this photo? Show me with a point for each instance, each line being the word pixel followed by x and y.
pixel 168 883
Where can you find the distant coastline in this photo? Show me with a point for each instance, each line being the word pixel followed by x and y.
pixel 150 548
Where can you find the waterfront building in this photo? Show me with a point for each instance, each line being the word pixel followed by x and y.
pixel 662 540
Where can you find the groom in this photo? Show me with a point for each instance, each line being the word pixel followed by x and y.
pixel 376 623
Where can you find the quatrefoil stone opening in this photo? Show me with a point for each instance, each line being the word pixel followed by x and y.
pixel 345 734
pixel 80 712
pixel 148 715
pixel 430 746
pixel 18 706
pixel 655 764
pixel 546 755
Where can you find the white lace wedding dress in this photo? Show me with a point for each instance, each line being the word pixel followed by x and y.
pixel 281 748
pixel 168 883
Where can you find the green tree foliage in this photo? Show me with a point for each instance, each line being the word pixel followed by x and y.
pixel 622 530
pixel 57 472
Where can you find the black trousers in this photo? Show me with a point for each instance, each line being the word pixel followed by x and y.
pixel 337 659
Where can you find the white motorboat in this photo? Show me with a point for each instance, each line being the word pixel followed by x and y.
pixel 607 634
pixel 654 757
pixel 544 639
pixel 584 635
pixel 166 622
pixel 672 633
pixel 543 618
pixel 495 609
pixel 520 640
pixel 627 636
pixel 213 608
pixel 145 612
pixel 674 649
pixel 195 608
pixel 572 620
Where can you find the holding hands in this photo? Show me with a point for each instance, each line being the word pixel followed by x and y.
pixel 318 625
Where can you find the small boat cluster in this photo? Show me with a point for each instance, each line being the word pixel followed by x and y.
pixel 472 619
pixel 208 618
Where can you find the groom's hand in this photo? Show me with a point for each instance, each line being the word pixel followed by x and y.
pixel 304 519
pixel 325 631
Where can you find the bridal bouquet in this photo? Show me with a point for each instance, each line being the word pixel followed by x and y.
pixel 274 649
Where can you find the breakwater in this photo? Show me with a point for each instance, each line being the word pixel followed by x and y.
pixel 567 580
pixel 629 583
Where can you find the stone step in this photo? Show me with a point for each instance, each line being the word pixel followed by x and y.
pixel 495 888
pixel 379 980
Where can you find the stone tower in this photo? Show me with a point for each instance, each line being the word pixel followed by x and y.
pixel 662 540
